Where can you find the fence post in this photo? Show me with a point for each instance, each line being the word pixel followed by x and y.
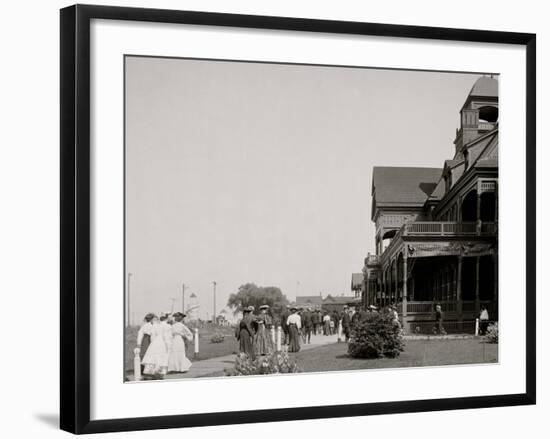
pixel 477 327
pixel 196 342
pixel 137 365
pixel 278 339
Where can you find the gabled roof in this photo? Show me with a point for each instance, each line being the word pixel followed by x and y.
pixel 486 163
pixel 338 299
pixel 439 191
pixel 452 163
pixel 395 186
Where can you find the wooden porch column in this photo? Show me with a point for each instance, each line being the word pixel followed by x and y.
pixel 477 285
pixel 478 216
pixel 459 289
pixel 396 283
pixel 404 291
pixel 496 201
pixel 495 277
pixel 383 289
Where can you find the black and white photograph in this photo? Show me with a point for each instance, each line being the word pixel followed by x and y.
pixel 276 219
pixel 288 218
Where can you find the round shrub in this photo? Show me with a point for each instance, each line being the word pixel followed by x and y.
pixel 217 338
pixel 492 333
pixel 376 335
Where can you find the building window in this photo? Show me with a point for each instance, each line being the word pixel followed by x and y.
pixel 466 160
pixel 488 114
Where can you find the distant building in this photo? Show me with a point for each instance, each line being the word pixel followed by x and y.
pixel 309 301
pixel 336 303
pixel 357 284
pixel 436 234
pixel 329 303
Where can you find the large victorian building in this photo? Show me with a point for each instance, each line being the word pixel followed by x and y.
pixel 436 228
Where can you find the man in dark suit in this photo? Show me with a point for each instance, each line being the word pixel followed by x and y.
pixel 346 322
pixel 284 326
pixel 307 325
pixel 315 320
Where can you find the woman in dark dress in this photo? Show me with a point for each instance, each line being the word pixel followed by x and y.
pixel 294 323
pixel 246 333
pixel 263 344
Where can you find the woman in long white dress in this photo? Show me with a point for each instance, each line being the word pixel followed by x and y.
pixel 155 360
pixel 178 361
pixel 144 336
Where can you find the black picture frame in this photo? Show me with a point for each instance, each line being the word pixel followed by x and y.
pixel 75 217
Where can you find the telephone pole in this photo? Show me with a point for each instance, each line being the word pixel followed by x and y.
pixel 128 315
pixel 183 298
pixel 214 315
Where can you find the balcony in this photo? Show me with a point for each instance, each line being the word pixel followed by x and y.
pixel 372 260
pixel 435 229
pixel 448 229
pixel 485 126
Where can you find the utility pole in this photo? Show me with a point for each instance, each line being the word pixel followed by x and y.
pixel 214 315
pixel 128 315
pixel 183 298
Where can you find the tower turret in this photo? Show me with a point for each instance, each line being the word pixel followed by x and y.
pixel 479 113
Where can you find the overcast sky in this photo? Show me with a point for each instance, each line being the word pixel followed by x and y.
pixel 247 172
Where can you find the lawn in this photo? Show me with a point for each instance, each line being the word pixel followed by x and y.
pixel 417 353
pixel 207 349
pixel 334 357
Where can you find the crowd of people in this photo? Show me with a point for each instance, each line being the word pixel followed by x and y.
pixel 253 332
pixel 298 324
pixel 161 340
pixel 161 343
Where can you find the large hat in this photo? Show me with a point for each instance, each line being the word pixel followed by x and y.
pixel 264 307
pixel 250 308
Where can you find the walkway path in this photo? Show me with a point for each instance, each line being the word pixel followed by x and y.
pixel 219 364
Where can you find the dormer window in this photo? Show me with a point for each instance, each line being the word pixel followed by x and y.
pixel 466 159
pixel 448 181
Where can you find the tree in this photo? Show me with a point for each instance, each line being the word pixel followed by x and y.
pixel 251 294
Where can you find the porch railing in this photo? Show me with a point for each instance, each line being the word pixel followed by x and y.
pixel 428 307
pixel 485 126
pixel 448 228
pixel 372 260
